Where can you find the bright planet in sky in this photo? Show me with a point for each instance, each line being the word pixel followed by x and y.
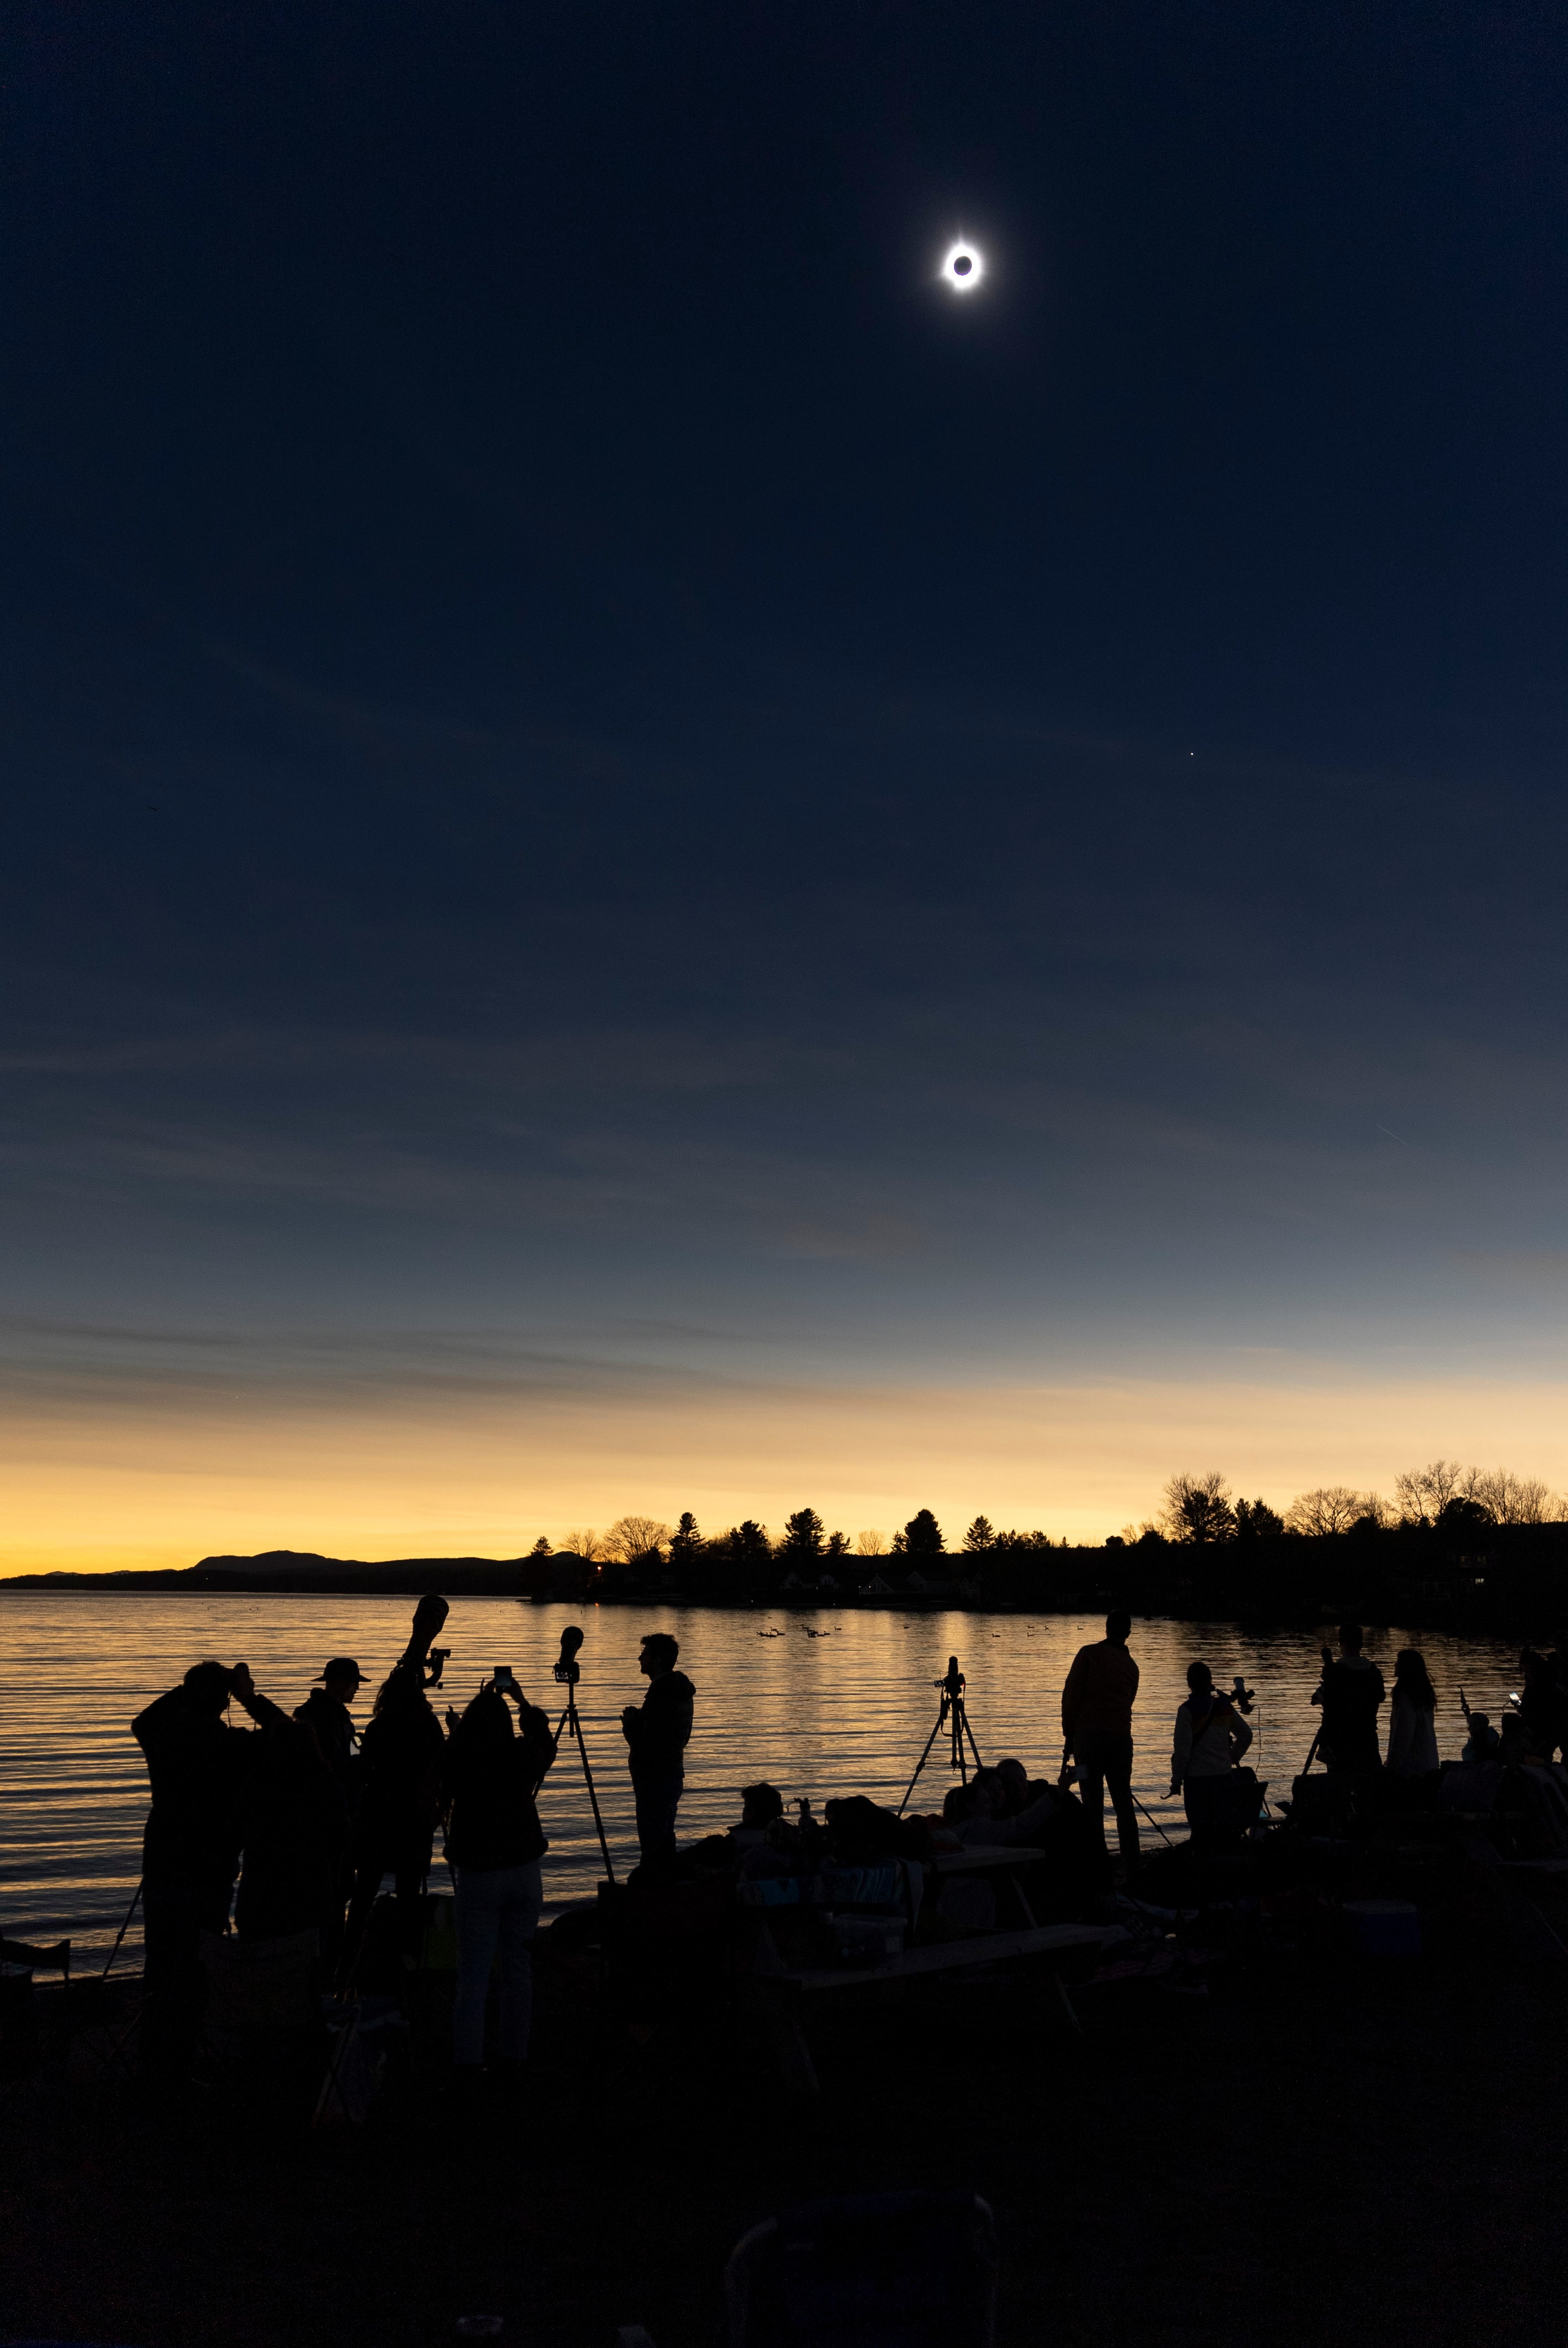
pixel 963 268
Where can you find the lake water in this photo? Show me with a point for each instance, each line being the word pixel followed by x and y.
pixel 820 1702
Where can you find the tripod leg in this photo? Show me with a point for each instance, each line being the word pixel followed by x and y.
pixel 593 1790
pixel 120 1936
pixel 970 1733
pixel 922 1761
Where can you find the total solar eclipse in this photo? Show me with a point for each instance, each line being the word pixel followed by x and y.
pixel 963 268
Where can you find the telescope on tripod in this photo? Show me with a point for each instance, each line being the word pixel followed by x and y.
pixel 952 1715
pixel 567 1672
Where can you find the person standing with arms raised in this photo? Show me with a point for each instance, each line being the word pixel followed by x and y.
pixel 402 1751
pixel 199 1768
pixel 1097 1730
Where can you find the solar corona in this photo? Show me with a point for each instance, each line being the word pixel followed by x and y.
pixel 963 269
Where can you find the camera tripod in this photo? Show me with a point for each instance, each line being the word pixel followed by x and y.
pixel 568 1671
pixel 953 1716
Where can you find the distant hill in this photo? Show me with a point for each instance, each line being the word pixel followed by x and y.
pixel 303 1571
pixel 163 1577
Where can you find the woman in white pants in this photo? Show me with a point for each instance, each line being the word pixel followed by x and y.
pixel 494 1844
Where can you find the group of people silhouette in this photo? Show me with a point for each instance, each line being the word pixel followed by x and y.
pixel 298 1826
pixel 1213 1734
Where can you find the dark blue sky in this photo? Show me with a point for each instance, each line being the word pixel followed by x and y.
pixel 603 782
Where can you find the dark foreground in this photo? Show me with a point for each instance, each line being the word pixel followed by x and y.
pixel 1314 2147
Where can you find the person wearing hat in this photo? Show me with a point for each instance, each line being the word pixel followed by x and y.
pixel 325 1713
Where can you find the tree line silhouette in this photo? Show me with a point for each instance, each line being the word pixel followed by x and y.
pixel 1453 1541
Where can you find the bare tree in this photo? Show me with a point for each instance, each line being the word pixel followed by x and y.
pixel 631 1537
pixel 588 1545
pixel 871 1544
pixel 1334 1508
pixel 1423 1493
pixel 1507 1498
pixel 1198 1507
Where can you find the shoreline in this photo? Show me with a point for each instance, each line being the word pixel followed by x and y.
pixel 1459 1621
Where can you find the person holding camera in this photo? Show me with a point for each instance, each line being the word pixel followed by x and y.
pixel 494 1846
pixel 658 1732
pixel 197 1767
pixel 402 1753
pixel 1210 1740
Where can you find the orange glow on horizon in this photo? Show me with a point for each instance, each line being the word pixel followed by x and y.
pixel 115 1486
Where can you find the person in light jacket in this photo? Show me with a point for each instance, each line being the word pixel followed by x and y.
pixel 1412 1718
pixel 1211 1738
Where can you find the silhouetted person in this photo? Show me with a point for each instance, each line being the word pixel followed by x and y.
pixel 658 1731
pixel 494 1844
pixel 198 1766
pixel 1482 1742
pixel 325 1713
pixel 294 1837
pixel 1020 1788
pixel 1349 1693
pixel 1543 1704
pixel 1413 1717
pixel 760 1806
pixel 985 1821
pixel 1097 1727
pixel 402 1753
pixel 1210 1740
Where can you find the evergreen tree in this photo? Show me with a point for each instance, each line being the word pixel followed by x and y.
pixel 801 1536
pixel 922 1536
pixel 980 1535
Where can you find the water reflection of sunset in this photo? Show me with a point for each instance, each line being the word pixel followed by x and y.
pixel 842 1714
